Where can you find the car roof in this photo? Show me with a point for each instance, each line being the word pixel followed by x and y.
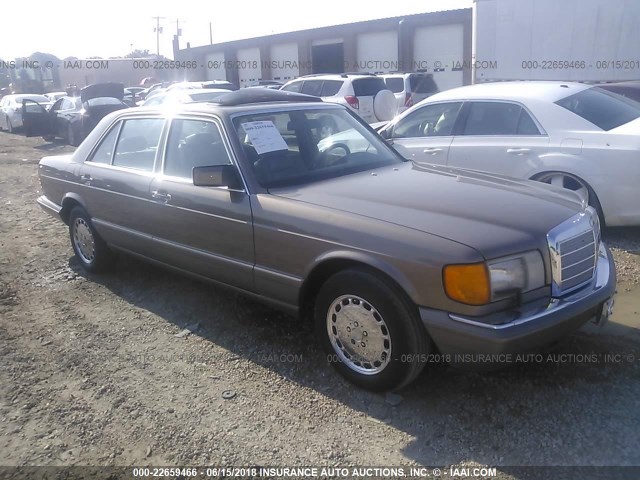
pixel 250 99
pixel 551 91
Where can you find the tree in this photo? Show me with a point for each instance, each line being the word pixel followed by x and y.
pixel 139 54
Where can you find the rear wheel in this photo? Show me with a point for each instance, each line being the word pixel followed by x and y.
pixel 370 331
pixel 571 182
pixel 92 252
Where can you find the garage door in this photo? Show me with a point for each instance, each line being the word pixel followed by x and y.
pixel 377 52
pixel 215 66
pixel 249 68
pixel 440 47
pixel 284 62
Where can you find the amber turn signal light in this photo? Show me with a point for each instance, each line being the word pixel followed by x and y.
pixel 467 283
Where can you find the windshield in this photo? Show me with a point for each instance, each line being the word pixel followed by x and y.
pixel 303 146
pixel 604 109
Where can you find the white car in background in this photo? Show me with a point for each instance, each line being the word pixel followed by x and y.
pixel 11 109
pixel 570 135
pixel 364 94
pixel 410 88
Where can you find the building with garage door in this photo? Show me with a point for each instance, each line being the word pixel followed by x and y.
pixel 438 43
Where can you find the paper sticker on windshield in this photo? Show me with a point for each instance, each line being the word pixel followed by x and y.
pixel 264 137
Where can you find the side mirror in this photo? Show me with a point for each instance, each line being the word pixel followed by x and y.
pixel 216 176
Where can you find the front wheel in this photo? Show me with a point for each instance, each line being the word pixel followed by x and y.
pixel 370 331
pixel 93 253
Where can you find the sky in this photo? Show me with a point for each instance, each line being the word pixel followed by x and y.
pixel 76 30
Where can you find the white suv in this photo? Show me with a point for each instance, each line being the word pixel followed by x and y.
pixel 410 88
pixel 366 95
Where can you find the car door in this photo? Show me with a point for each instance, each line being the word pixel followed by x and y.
pixel 498 137
pixel 116 179
pixel 424 135
pixel 68 110
pixel 206 230
pixel 37 120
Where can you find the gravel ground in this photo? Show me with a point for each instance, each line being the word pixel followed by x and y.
pixel 99 370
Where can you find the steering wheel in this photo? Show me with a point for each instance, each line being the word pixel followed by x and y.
pixel 321 159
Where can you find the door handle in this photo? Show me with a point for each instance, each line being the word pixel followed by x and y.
pixel 163 197
pixel 432 151
pixel 86 179
pixel 518 151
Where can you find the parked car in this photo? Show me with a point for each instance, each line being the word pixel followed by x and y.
pixel 390 259
pixel 630 89
pixel 132 95
pixel 72 118
pixel 572 135
pixel 410 88
pixel 217 84
pixel 11 109
pixel 53 96
pixel 185 96
pixel 365 95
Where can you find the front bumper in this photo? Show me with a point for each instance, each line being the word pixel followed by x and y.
pixel 528 328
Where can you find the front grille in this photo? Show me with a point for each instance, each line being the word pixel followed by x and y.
pixel 577 260
pixel 573 246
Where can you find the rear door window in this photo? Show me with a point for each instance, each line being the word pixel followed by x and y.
pixel 292 87
pixel 422 84
pixel 368 87
pixel 104 152
pixel 395 84
pixel 312 87
pixel 492 118
pixel 331 88
pixel 138 143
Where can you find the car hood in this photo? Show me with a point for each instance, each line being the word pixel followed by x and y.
pixel 114 90
pixel 490 213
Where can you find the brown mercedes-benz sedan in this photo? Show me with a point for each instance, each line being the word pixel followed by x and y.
pixel 298 203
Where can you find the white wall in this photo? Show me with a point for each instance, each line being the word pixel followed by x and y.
pixel 511 32
pixel 441 47
pixel 284 61
pixel 249 68
pixel 214 66
pixel 377 52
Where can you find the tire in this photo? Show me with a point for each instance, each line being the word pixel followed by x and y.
pixel 385 105
pixel 91 251
pixel 377 342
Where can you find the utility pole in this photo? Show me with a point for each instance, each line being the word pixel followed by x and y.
pixel 210 34
pixel 158 31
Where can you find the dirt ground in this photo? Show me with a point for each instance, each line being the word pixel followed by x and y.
pixel 94 374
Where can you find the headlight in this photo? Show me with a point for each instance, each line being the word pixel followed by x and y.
pixel 481 283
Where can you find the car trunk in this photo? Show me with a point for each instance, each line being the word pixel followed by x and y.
pixel 366 89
